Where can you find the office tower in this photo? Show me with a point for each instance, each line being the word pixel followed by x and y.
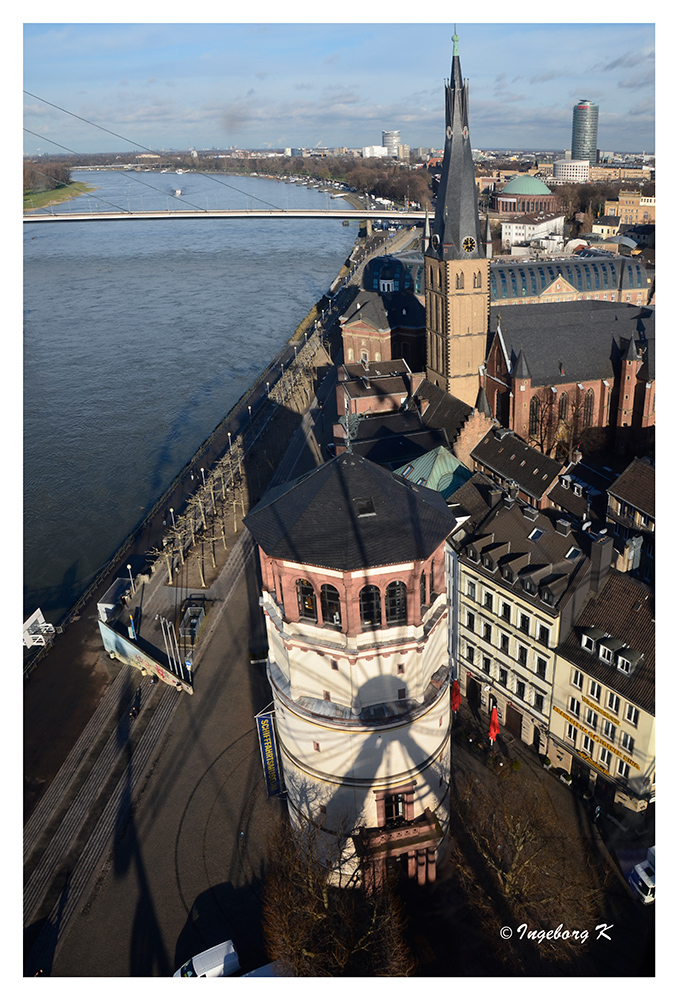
pixel 391 140
pixel 585 131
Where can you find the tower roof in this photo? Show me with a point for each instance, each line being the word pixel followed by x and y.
pixel 350 514
pixel 456 232
pixel 525 184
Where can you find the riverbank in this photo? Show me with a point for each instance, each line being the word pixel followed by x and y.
pixel 35 200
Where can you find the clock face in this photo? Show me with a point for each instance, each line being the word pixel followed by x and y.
pixel 435 241
pixel 469 244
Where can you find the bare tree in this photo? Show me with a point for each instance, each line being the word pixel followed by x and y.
pixel 315 927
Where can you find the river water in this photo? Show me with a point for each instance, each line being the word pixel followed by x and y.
pixel 139 337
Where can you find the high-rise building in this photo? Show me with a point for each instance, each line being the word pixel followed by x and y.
pixel 585 131
pixel 391 140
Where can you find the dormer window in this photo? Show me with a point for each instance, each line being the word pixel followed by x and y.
pixel 576 489
pixel 365 506
pixel 529 586
pixel 623 665
pixel 604 653
pixel 573 553
pixel 472 554
pixel 587 643
pixel 489 563
pixel 535 534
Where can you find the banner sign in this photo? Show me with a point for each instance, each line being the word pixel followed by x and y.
pixel 269 753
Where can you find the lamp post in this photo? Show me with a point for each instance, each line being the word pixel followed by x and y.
pixel 203 476
pixel 174 523
pixel 129 570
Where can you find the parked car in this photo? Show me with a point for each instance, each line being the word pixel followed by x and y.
pixel 642 878
pixel 222 960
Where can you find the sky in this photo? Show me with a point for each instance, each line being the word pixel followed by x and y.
pixel 322 84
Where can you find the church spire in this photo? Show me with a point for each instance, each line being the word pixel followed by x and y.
pixel 456 229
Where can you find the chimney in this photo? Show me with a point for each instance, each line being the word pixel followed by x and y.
pixel 602 550
pixel 563 527
pixel 494 496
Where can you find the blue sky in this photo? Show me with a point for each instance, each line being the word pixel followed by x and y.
pixel 264 85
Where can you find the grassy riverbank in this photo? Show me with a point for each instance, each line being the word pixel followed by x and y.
pixel 45 199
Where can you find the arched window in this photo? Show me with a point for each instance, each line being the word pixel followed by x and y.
pixel 330 605
pixel 422 589
pixel 534 415
pixel 476 280
pixel 460 280
pixel 563 406
pixel 588 408
pixel 306 599
pixel 370 606
pixel 396 603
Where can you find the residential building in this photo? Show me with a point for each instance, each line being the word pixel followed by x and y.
pixel 631 519
pixel 354 597
pixel 632 208
pixel 516 466
pixel 602 728
pixel 520 578
pixel 533 229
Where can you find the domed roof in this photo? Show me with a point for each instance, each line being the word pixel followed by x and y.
pixel 525 184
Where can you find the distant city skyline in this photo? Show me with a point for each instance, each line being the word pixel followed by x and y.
pixel 258 86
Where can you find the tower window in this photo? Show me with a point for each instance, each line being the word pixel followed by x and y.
pixel 306 600
pixel 370 606
pixel 396 603
pixel 330 605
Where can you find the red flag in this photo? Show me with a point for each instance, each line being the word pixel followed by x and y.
pixel 494 724
pixel 456 696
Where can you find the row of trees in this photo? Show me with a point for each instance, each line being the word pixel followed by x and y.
pixel 41 176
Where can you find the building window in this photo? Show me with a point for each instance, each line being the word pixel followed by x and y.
pixel 370 606
pixel 574 707
pixel 306 600
pixel 524 624
pixel 422 590
pixel 591 718
pixel 520 690
pixel 504 643
pixel 522 656
pixel 587 745
pixel 578 679
pixel 571 733
pixel 541 668
pixel 609 731
pixel 394 808
pixel 622 769
pixel 506 612
pixel 470 653
pixel 487 632
pixel 544 635
pixel 487 663
pixel 488 601
pixel 563 406
pixel 623 666
pixel 330 605
pixel 471 590
pixel 334 664
pixel 539 702
pixel 613 702
pixel 595 690
pixel 604 757
pixel 316 746
pixel 632 715
pixel 326 696
pixel 401 669
pixel 627 742
pixel 534 416
pixel 605 654
pixel 402 693
pixel 503 677
pixel 396 603
pixel 470 621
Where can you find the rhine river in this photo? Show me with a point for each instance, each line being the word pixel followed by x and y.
pixel 139 337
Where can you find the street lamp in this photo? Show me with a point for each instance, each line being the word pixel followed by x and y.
pixel 203 476
pixel 129 570
pixel 268 389
pixel 250 413
pixel 174 524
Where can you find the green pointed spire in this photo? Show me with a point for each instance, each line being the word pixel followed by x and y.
pixel 455 43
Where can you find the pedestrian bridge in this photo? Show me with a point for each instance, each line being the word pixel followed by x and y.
pixel 229 213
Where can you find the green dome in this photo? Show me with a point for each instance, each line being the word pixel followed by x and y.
pixel 525 184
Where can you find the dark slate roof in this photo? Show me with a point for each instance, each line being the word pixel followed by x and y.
pixel 364 387
pixel 386 311
pixel 582 492
pixel 374 369
pixel 350 514
pixel 636 486
pixel 392 439
pixel 624 609
pixel 474 497
pixel 444 410
pixel 508 457
pixel 587 338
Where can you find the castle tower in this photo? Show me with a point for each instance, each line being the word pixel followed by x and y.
pixel 457 271
pixel 354 595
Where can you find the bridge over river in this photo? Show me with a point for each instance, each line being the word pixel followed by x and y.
pixel 229 213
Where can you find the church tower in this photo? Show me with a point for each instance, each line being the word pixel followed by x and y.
pixel 457 270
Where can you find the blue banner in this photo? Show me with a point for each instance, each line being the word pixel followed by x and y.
pixel 269 753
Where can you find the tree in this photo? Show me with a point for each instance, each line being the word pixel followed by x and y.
pixel 316 927
pixel 520 862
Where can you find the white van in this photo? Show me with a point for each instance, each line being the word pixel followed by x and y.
pixel 222 960
pixel 642 878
